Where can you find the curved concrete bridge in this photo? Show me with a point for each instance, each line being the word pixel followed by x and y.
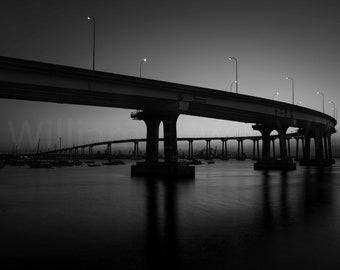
pixel 158 101
pixel 86 150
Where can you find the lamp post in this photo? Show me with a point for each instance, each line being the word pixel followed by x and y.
pixel 336 114
pixel 91 18
pixel 231 86
pixel 276 94
pixel 333 107
pixel 236 81
pixel 140 67
pixel 323 100
pixel 290 78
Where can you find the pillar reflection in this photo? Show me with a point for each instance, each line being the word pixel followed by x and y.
pixel 161 210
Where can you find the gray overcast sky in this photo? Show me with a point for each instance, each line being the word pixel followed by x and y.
pixel 185 42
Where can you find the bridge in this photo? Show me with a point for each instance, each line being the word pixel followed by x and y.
pixel 86 150
pixel 159 101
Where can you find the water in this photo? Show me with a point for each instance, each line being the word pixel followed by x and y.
pixel 229 217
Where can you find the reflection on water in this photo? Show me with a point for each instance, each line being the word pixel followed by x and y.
pixel 229 217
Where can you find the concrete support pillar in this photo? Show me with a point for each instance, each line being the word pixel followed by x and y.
pixel 324 137
pixel 297 148
pixel 323 151
pixel 330 155
pixel 191 149
pixel 170 166
pixel 240 152
pixel 170 138
pixel 108 151
pixel 327 145
pixel 303 145
pixel 224 153
pixel 258 149
pixel 273 147
pixel 282 129
pixel 306 147
pixel 288 148
pixel 254 149
pixel 208 149
pixel 266 163
pixel 318 143
pixel 266 144
pixel 152 136
pixel 306 142
pixel 152 120
pixel 265 132
pixel 136 149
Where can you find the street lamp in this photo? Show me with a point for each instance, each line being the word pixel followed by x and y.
pixel 91 18
pixel 276 94
pixel 323 100
pixel 336 114
pixel 231 86
pixel 236 81
pixel 333 107
pixel 140 67
pixel 290 78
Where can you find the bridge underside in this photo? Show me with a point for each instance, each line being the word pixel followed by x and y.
pixel 164 102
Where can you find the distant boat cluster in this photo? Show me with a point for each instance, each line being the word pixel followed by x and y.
pixel 41 163
pixel 48 163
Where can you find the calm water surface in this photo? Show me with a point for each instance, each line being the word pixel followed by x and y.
pixel 229 217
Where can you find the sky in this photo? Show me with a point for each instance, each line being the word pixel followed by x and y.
pixel 185 42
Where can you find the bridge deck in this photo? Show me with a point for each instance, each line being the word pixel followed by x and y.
pixel 30 80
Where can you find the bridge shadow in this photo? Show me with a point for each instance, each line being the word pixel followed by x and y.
pixel 161 211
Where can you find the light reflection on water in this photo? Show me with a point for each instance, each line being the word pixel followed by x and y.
pixel 230 216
